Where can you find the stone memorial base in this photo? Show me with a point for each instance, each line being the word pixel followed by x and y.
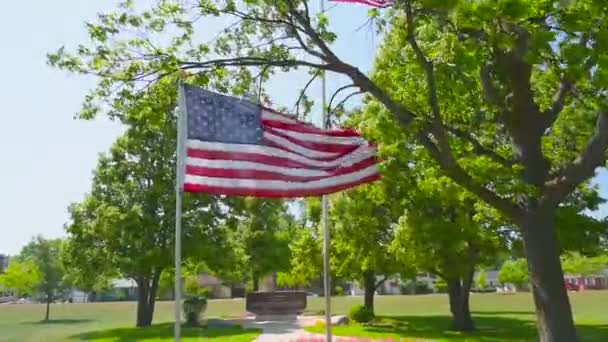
pixel 276 306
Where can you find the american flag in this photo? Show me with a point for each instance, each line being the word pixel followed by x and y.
pixel 236 147
pixel 373 3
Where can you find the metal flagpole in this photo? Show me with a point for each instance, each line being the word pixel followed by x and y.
pixel 325 218
pixel 179 190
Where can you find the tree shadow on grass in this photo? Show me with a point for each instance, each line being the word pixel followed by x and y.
pixel 165 331
pixel 489 328
pixel 59 321
pixel 512 312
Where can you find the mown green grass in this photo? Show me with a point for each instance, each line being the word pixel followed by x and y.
pixel 110 322
pixel 164 332
pixel 498 317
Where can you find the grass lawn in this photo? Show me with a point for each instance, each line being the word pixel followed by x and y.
pixel 111 322
pixel 164 332
pixel 499 318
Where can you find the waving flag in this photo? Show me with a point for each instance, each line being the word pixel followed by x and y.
pixel 236 147
pixel 373 3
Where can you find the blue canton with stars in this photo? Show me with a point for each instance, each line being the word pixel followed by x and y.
pixel 218 118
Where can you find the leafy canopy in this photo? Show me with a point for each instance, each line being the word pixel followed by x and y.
pixel 125 225
pixel 21 276
pixel 42 257
pixel 514 272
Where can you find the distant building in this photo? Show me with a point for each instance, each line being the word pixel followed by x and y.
pixel 491 280
pixel 4 259
pixel 124 289
pixel 595 282
pixel 120 290
pixel 216 286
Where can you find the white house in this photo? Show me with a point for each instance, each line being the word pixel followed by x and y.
pixel 4 259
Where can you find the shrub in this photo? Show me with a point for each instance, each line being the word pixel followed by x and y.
pixel 193 309
pixel 441 286
pixel 361 314
pixel 194 289
pixel 122 296
pixel 339 291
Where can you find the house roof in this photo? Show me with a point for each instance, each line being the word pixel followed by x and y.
pixel 492 275
pixel 209 280
pixel 123 283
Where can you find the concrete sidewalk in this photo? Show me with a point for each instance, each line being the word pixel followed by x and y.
pixel 285 331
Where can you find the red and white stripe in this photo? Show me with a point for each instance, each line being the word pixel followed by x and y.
pixel 297 160
pixel 373 3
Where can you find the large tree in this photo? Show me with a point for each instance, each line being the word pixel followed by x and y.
pixel 126 224
pixel 507 97
pixel 440 233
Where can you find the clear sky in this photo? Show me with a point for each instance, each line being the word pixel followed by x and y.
pixel 47 156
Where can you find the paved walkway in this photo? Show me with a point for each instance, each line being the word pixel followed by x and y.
pixel 285 331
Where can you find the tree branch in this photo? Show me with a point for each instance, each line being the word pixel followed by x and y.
pixel 403 115
pixel 455 172
pixel 427 65
pixel 341 103
pixel 333 96
pixel 565 88
pixel 250 61
pixel 382 281
pixel 261 77
pixel 490 93
pixel 479 148
pixel 303 92
pixel 583 168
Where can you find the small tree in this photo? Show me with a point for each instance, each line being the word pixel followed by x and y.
pixel 306 264
pixel 514 272
pixel 196 300
pixel 45 254
pixel 482 280
pixel 21 277
pixel 263 234
pixel 363 231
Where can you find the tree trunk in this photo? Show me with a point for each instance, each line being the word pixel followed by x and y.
pixel 48 308
pixel 414 281
pixel 369 282
pixel 553 311
pixel 256 281
pixel 458 293
pixel 152 294
pixel 146 299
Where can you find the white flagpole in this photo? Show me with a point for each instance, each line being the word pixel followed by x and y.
pixel 325 218
pixel 179 190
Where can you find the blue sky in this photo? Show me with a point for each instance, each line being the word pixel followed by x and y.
pixel 47 156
